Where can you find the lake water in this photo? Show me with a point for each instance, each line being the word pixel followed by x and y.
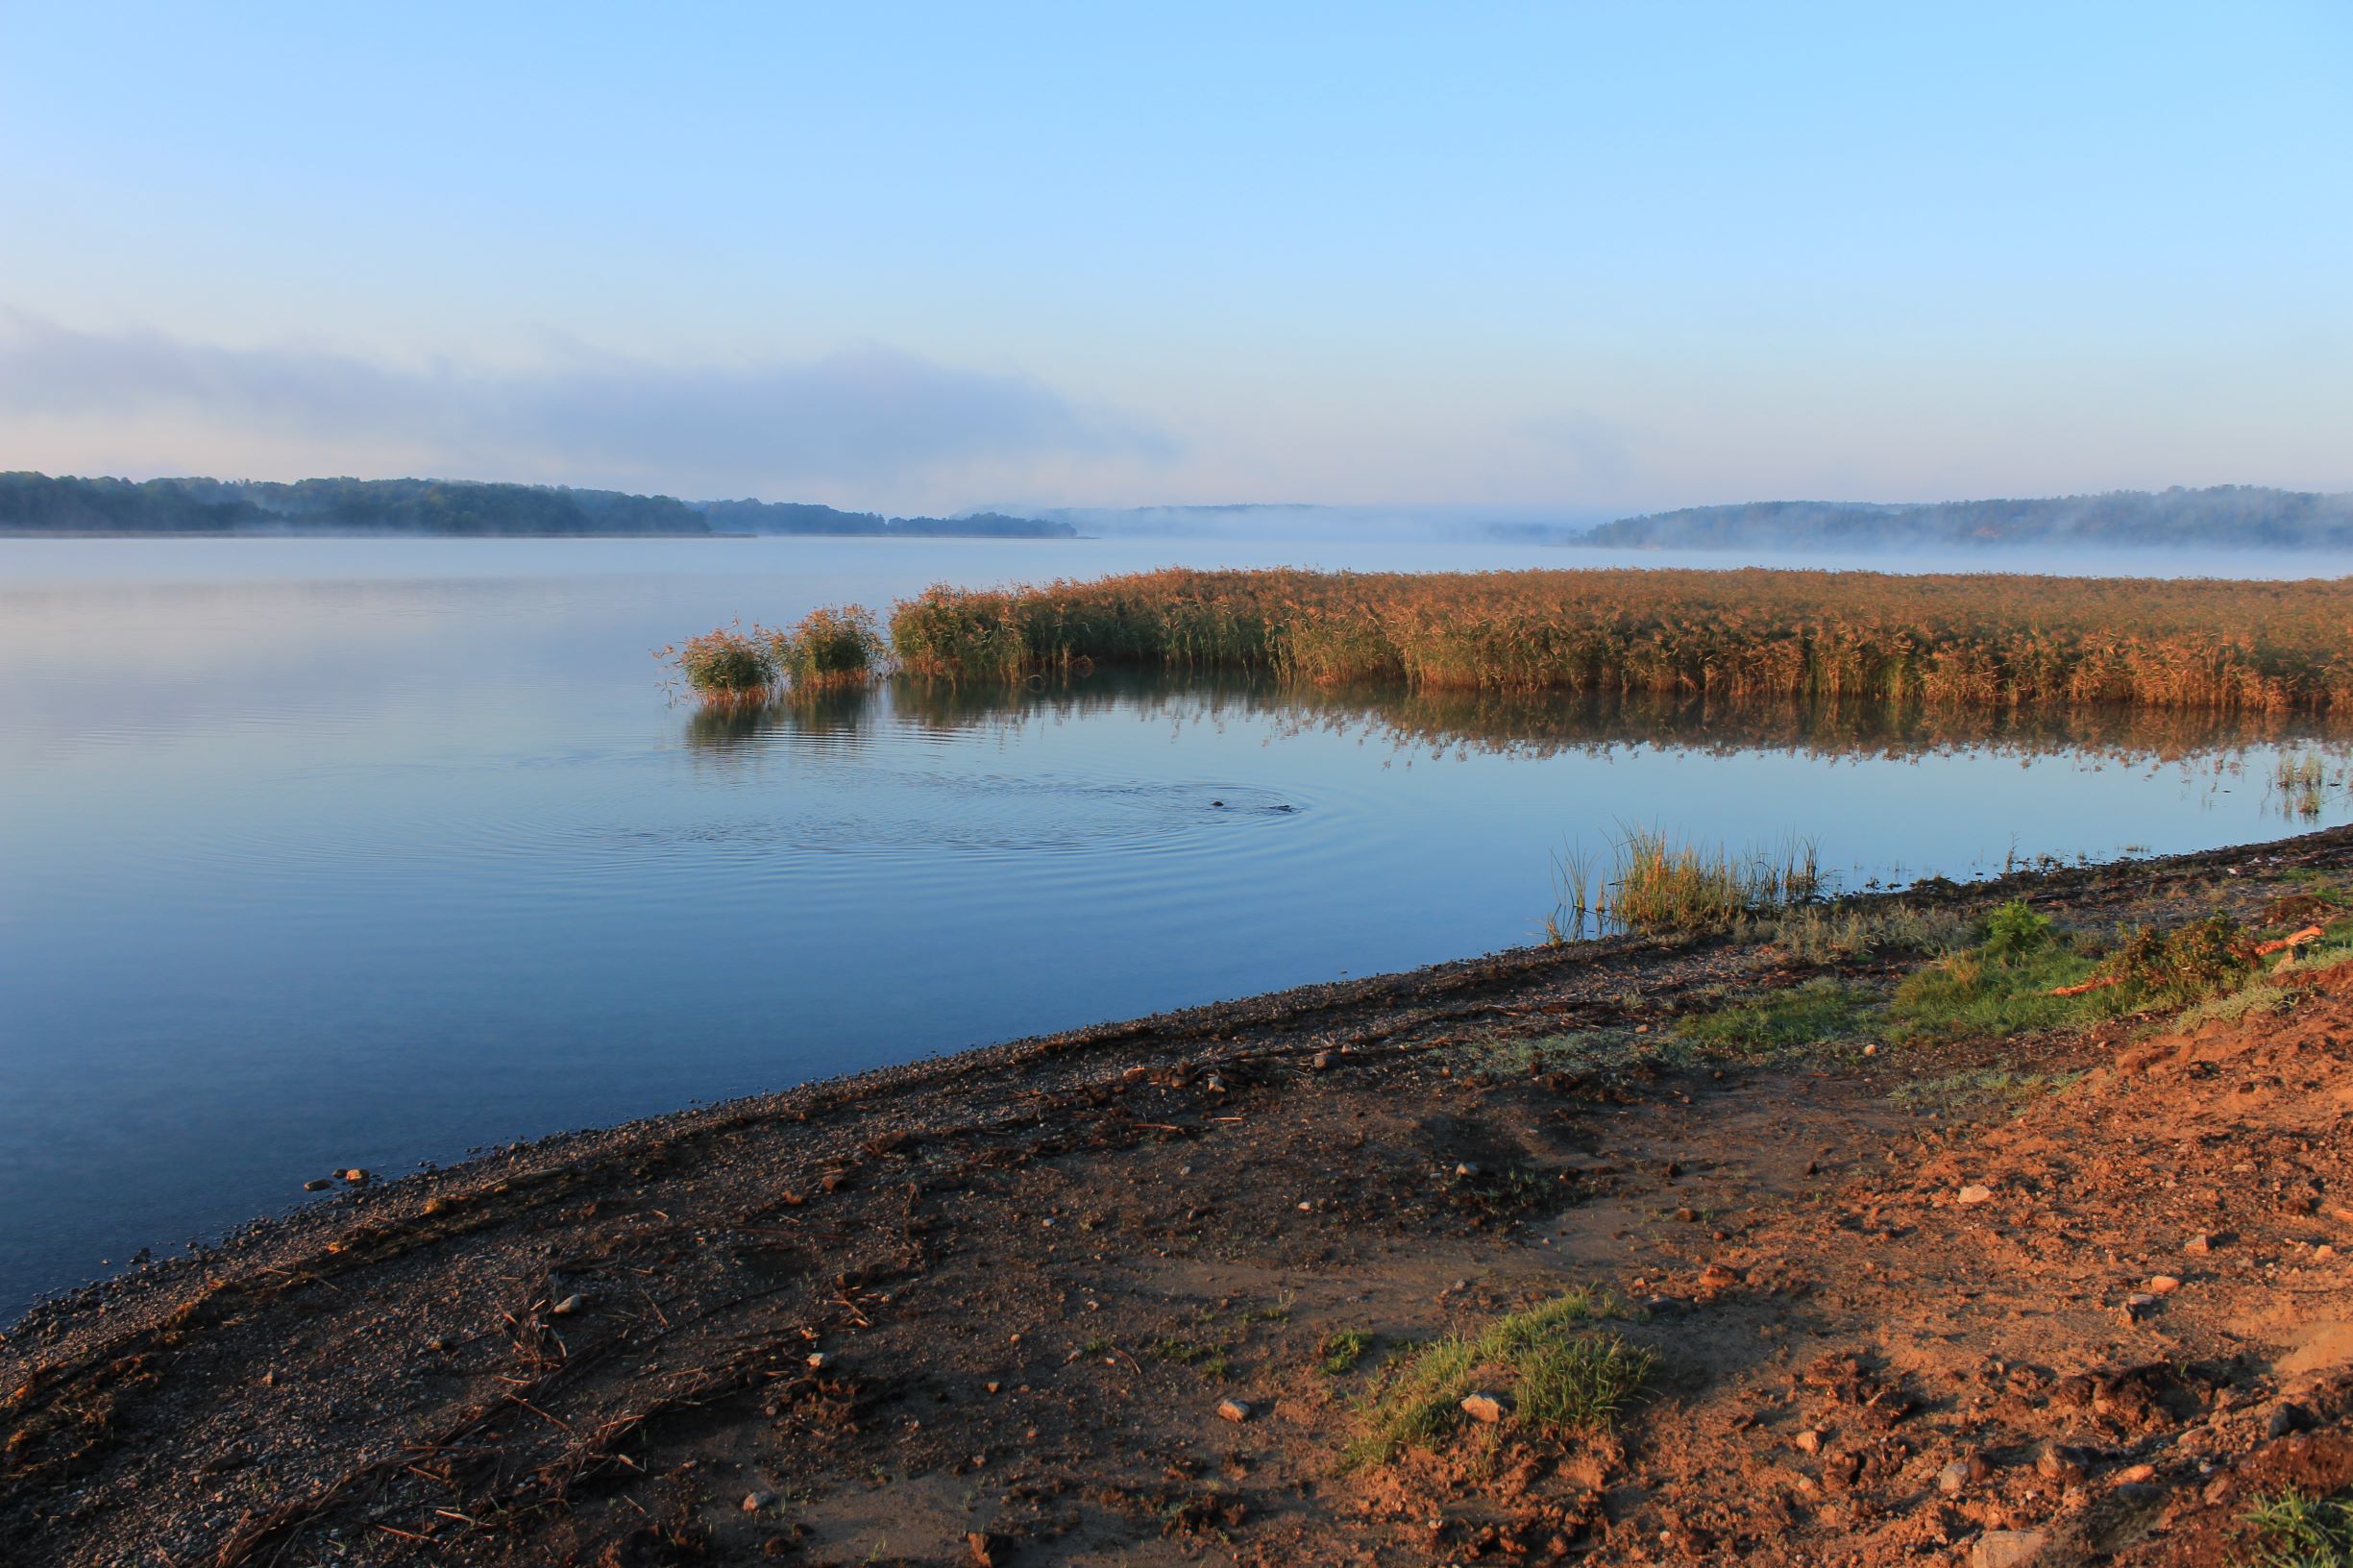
pixel 323 853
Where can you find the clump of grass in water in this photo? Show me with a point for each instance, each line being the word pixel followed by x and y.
pixel 1562 1376
pixel 835 647
pixel 730 667
pixel 2295 1530
pixel 1652 883
pixel 726 667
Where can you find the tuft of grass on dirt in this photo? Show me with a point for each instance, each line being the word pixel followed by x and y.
pixel 1815 934
pixel 1562 1374
pixel 2295 1530
pixel 2015 1090
pixel 1806 1015
pixel 1206 1356
pixel 1341 1350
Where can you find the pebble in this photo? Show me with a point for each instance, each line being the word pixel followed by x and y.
pixel 1973 1193
pixel 818 1359
pixel 1466 1171
pixel 2200 1244
pixel 1953 1478
pixel 1234 1409
pixel 2005 1547
pixel 355 1174
pixel 1808 1441
pixel 755 1502
pixel 1485 1408
pixel 2163 1285
pixel 2133 1475
pixel 317 1184
pixel 1320 1060
pixel 567 1307
pixel 2139 1305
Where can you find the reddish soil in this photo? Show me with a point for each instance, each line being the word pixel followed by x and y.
pixel 985 1309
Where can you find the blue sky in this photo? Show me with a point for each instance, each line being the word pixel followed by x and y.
pixel 1592 259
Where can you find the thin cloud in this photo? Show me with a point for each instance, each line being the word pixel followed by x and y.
pixel 867 419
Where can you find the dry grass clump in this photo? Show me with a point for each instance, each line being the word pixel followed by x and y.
pixel 1975 640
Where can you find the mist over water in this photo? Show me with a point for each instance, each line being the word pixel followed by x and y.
pixel 324 853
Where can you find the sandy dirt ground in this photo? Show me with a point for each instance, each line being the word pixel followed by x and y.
pixel 2062 1298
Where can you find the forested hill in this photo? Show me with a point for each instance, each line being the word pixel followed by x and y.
pixel 38 504
pixel 2232 516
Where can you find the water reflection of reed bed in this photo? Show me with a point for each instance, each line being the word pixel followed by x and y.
pixel 1529 724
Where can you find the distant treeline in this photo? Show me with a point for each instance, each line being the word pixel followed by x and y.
pixel 2230 516
pixel 38 504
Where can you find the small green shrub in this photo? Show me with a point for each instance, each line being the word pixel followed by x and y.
pixel 2206 958
pixel 2014 931
pixel 1964 996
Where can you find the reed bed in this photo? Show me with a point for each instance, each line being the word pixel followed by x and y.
pixel 1982 639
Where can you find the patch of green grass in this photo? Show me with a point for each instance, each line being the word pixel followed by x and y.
pixel 1206 1356
pixel 2212 957
pixel 2016 1089
pixel 2296 1530
pixel 1562 1374
pixel 1967 997
pixel 1806 1015
pixel 2258 998
pixel 1341 1350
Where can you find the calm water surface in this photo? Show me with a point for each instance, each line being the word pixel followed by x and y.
pixel 359 852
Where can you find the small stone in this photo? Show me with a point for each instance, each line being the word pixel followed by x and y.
pixel 2133 1475
pixel 2163 1285
pixel 1953 1478
pixel 1872 1049
pixel 2200 1244
pixel 818 1359
pixel 993 1387
pixel 2004 1548
pixel 2322 1253
pixel 567 1307
pixel 1717 1277
pixel 1485 1409
pixel 355 1174
pixel 1808 1441
pixel 2286 1417
pixel 1466 1171
pixel 317 1184
pixel 987 1551
pixel 1320 1060
pixel 2139 1305
pixel 755 1502
pixel 1234 1409
pixel 1306 1208
pixel 1973 1193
